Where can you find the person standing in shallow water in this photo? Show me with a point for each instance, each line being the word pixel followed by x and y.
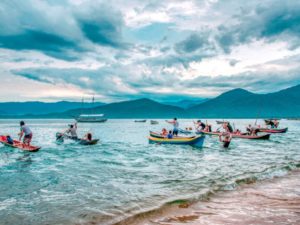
pixel 226 141
pixel 25 130
pixel 175 126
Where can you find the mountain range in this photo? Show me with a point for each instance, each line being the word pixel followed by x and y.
pixel 36 108
pixel 186 103
pixel 237 103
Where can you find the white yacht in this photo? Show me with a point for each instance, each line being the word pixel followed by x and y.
pixel 91 118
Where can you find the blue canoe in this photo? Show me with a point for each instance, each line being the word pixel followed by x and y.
pixel 194 141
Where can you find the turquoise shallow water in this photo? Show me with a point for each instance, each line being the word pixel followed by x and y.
pixel 124 175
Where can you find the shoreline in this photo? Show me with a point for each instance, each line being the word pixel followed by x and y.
pixel 271 201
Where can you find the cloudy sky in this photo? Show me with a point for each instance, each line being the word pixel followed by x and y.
pixel 165 50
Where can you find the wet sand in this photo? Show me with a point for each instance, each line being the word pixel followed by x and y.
pixel 274 201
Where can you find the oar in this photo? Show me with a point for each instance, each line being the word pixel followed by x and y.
pixel 61 138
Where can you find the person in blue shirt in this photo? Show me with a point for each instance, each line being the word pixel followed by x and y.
pixel 9 140
pixel 170 135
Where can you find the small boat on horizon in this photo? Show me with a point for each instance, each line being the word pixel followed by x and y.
pixel 140 121
pixel 153 122
pixel 221 122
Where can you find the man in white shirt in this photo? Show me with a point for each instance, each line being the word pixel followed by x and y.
pixel 25 130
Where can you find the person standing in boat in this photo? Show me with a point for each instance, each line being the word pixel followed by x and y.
pixel 227 139
pixel 26 132
pixel 249 129
pixel 175 126
pixel 73 131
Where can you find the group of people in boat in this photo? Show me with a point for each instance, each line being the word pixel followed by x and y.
pixel 224 137
pixel 26 134
pixel 199 126
pixel 273 123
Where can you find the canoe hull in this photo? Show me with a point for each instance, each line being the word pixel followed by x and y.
pixel 258 137
pixel 273 131
pixel 19 145
pixel 85 142
pixel 195 141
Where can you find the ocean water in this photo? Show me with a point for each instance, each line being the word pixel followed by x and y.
pixel 123 175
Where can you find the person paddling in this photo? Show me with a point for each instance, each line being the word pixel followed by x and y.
pixel 25 130
pixel 200 125
pixel 73 131
pixel 175 124
pixel 226 141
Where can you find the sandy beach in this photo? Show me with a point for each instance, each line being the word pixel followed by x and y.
pixel 274 201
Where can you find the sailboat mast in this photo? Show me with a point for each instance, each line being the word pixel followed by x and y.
pixel 82 105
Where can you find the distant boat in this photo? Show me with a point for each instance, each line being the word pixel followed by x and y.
pixel 221 122
pixel 153 122
pixel 140 121
pixel 91 118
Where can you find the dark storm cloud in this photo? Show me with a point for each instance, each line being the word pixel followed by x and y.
pixel 50 44
pixel 270 21
pixel 28 26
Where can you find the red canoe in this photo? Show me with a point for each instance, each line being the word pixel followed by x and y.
pixel 19 144
pixel 244 136
pixel 273 130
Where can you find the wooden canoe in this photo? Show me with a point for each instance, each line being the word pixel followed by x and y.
pixel 19 145
pixel 273 130
pixel 60 139
pixel 243 136
pixel 195 141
